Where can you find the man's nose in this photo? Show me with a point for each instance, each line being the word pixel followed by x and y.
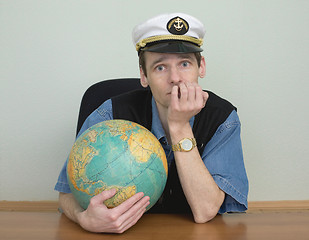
pixel 174 75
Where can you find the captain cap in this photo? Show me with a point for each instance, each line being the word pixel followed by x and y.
pixel 169 33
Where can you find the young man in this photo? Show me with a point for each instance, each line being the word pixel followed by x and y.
pixel 199 131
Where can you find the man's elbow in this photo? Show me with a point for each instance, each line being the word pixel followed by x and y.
pixel 205 216
pixel 64 200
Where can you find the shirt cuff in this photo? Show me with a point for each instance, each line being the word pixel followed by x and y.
pixel 62 187
pixel 234 201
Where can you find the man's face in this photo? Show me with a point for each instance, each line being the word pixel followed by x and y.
pixel 164 70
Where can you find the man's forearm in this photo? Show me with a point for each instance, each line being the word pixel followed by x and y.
pixel 202 193
pixel 69 206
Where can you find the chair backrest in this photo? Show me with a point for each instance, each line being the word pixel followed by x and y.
pixel 96 94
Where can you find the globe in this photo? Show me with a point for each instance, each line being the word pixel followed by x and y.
pixel 116 154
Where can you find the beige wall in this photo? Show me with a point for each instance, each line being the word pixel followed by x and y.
pixel 51 51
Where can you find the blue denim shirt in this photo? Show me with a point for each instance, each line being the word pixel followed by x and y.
pixel 222 156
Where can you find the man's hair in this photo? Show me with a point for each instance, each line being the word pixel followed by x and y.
pixel 142 62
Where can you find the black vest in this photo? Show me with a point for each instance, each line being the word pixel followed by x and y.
pixel 136 106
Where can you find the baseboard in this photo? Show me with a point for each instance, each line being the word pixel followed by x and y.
pixel 256 206
pixel 273 206
pixel 29 206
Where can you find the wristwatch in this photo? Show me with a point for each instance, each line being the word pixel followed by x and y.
pixel 184 145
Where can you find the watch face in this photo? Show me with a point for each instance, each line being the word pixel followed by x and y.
pixel 186 145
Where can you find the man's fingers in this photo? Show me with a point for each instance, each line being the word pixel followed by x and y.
pixel 129 212
pixel 192 92
pixel 126 205
pixel 175 96
pixel 205 97
pixel 183 92
pixel 187 99
pixel 101 197
pixel 201 97
pixel 129 218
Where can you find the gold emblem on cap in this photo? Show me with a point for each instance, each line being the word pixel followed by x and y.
pixel 178 26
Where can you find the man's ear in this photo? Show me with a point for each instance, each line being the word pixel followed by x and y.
pixel 144 81
pixel 202 69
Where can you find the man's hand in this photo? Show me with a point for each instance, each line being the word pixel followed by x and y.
pixel 98 218
pixel 187 100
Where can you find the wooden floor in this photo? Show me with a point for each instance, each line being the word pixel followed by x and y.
pixel 259 223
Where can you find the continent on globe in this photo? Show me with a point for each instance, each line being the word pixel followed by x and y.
pixel 117 154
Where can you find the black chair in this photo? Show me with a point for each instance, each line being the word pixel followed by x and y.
pixel 96 94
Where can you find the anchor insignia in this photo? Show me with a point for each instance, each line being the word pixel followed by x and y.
pixel 178 26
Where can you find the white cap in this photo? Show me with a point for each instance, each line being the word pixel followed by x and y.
pixel 175 32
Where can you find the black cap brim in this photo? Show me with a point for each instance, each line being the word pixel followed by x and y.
pixel 172 47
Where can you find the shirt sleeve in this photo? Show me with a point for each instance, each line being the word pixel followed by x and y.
pixel 103 113
pixel 223 158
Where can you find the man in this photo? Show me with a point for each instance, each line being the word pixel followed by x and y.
pixel 199 131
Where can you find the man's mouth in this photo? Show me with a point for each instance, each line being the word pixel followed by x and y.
pixel 179 94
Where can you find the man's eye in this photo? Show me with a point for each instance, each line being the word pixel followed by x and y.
pixel 185 64
pixel 160 68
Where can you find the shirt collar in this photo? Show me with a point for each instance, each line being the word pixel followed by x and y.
pixel 156 127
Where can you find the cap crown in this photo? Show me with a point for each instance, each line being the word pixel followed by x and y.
pixel 169 27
